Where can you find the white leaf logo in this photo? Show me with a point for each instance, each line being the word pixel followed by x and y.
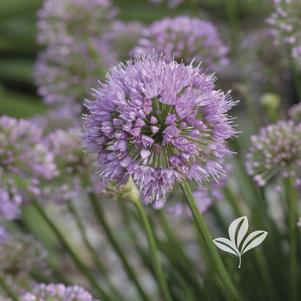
pixel 238 243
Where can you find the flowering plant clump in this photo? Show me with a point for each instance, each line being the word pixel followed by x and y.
pixel 159 122
pixel 275 151
pixel 24 162
pixel 71 21
pixel 185 39
pixel 64 75
pixel 57 292
pixel 123 37
pixel 285 25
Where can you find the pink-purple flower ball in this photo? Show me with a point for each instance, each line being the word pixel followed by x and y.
pixel 185 39
pixel 160 123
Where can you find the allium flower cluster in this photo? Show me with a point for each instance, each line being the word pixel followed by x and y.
pixel 64 74
pixel 159 122
pixel 71 21
pixel 185 39
pixel 295 112
pixel 57 292
pixel 285 23
pixel 123 37
pixel 24 162
pixel 21 254
pixel 275 151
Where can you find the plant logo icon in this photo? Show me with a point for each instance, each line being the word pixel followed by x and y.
pixel 239 242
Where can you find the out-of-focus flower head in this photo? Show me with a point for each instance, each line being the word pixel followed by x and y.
pixel 73 165
pixel 295 112
pixel 185 39
pixel 57 292
pixel 24 162
pixel 260 61
pixel 64 74
pixel 72 21
pixel 285 23
pixel 123 37
pixel 159 122
pixel 21 254
pixel 170 3
pixel 275 151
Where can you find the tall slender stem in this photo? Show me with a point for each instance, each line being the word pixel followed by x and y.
pixel 291 198
pixel 230 291
pixel 153 249
pixel 78 262
pixel 99 214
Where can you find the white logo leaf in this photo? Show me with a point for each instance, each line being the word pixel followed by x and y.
pixel 253 240
pixel 242 223
pixel 226 245
pixel 237 232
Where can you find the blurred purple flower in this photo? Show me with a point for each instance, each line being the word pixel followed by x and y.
pixel 285 25
pixel 295 112
pixel 159 122
pixel 24 162
pixel 68 22
pixel 64 74
pixel 57 292
pixel 275 151
pixel 187 39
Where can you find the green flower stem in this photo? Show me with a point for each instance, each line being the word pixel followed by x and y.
pixel 230 291
pixel 80 265
pixel 153 250
pixel 291 198
pixel 99 214
pixel 7 290
pixel 260 260
pixel 100 266
pixel 134 196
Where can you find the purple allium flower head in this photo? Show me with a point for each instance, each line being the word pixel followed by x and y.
pixel 20 254
pixel 24 162
pixel 71 21
pixel 64 74
pixel 57 292
pixel 170 3
pixel 295 112
pixel 275 151
pixel 123 37
pixel 187 39
pixel 159 122
pixel 285 23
